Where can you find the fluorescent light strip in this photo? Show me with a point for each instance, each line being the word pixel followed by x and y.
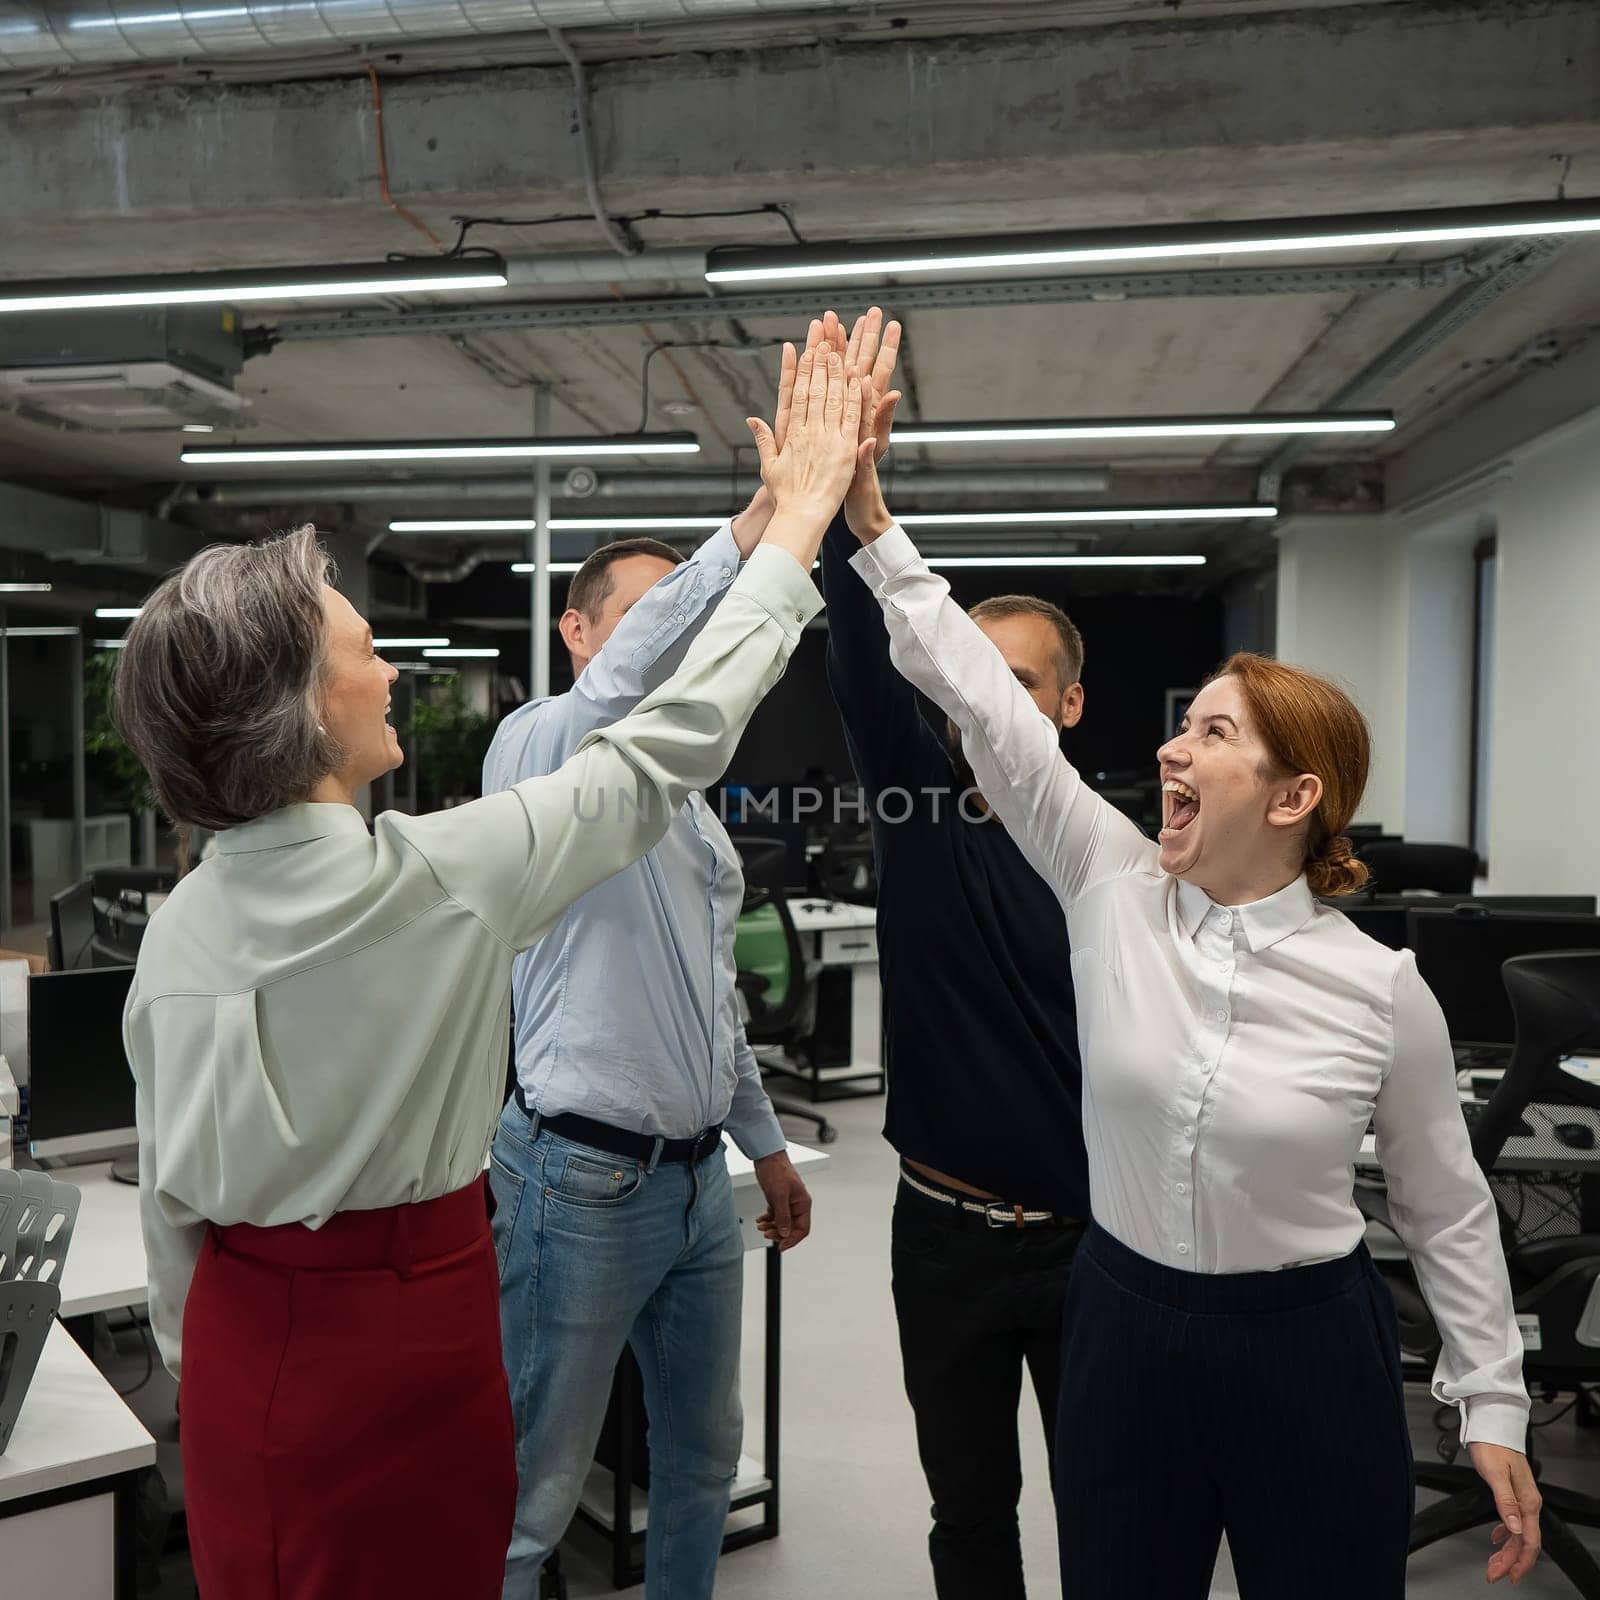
pixel 1066 561
pixel 1002 519
pixel 559 525
pixel 110 644
pixel 239 288
pixel 409 644
pixel 583 449
pixel 39 633
pixel 445 655
pixel 118 613
pixel 25 588
pixel 555 566
pixel 1176 428
pixel 1187 242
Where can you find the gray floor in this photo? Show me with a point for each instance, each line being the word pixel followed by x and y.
pixel 855 1508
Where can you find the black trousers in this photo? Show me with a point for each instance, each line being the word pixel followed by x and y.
pixel 975 1306
pixel 1266 1405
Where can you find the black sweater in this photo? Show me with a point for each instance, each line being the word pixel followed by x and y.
pixel 980 1024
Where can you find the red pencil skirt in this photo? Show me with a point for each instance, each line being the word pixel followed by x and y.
pixel 346 1428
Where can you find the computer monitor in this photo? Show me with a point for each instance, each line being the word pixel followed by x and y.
pixel 71 927
pixel 1460 952
pixel 80 1091
pixel 1383 916
pixel 1386 924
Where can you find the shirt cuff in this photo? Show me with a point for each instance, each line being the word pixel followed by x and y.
pixel 782 588
pixel 720 553
pixel 758 1135
pixel 1491 1419
pixel 886 557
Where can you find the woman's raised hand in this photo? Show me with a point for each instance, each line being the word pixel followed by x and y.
pixel 811 469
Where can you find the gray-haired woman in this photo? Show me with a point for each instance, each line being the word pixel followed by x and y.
pixel 317 1030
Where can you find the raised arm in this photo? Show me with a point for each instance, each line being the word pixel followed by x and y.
pixel 1071 836
pixel 646 648
pixel 882 723
pixel 649 643
pixel 518 858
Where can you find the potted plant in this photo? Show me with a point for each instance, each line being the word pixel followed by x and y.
pixel 117 768
pixel 451 740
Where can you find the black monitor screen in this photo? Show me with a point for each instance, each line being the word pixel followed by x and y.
pixel 72 926
pixel 1459 955
pixel 80 1091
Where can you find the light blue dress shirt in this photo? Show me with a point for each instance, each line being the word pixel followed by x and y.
pixel 626 1011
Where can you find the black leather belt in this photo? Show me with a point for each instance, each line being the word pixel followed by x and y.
pixel 621 1142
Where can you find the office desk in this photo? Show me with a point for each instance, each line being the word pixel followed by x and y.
pixel 1522 1154
pixel 66 1483
pixel 105 1268
pixel 843 938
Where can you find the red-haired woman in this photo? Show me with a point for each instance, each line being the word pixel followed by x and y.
pixel 1231 1361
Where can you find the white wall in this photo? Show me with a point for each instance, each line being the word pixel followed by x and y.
pixel 1342 595
pixel 1544 796
pixel 1440 623
pixel 1386 605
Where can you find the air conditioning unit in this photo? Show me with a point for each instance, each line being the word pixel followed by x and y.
pixel 155 369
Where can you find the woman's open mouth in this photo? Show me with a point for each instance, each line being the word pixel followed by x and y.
pixel 1180 804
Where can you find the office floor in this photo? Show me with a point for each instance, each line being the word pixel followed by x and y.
pixel 854 1504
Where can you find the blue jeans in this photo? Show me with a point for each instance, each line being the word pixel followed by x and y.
pixel 596 1251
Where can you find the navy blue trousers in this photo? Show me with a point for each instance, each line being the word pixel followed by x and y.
pixel 1266 1405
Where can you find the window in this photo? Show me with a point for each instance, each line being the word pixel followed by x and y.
pixel 1482 693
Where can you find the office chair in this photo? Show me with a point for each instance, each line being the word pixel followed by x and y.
pixel 1398 865
pixel 777 985
pixel 846 868
pixel 1550 1225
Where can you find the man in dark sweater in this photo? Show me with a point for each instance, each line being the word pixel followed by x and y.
pixel 982 1052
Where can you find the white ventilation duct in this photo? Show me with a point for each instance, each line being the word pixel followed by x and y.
pixel 54 36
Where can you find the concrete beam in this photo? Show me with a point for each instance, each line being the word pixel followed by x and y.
pixel 1478 440
pixel 1426 103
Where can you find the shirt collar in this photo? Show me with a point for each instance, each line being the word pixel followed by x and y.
pixel 292 825
pixel 1265 922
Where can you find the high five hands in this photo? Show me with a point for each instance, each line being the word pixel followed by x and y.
pixel 809 472
pixel 866 355
pixel 870 352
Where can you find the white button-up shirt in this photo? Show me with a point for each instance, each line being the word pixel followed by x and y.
pixel 319 1018
pixel 1232 1056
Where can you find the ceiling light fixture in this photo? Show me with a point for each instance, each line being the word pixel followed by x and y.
pixel 409 644
pixel 118 613
pixel 1100 246
pixel 461 651
pixel 1066 561
pixel 559 525
pixel 111 644
pixel 1007 519
pixel 619 444
pixel 526 567
pixel 39 633
pixel 1197 427
pixel 447 275
pixel 25 588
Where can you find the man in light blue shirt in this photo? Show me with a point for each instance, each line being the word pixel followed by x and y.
pixel 615 1219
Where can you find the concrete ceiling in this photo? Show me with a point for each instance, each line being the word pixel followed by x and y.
pixel 972 119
